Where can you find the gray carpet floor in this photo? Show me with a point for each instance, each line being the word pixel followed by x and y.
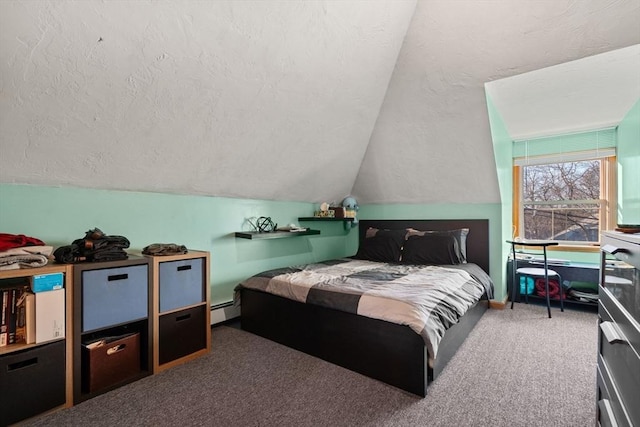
pixel 516 368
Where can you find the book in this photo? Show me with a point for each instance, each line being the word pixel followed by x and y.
pixel 4 319
pixel 12 316
pixel 30 318
pixel 21 317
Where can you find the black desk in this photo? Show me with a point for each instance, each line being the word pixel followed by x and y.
pixel 525 247
pixel 568 271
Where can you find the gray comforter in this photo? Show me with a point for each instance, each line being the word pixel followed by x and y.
pixel 428 299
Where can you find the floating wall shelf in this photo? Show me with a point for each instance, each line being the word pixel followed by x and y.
pixel 274 234
pixel 323 218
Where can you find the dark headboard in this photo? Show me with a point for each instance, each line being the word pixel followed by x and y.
pixel 477 240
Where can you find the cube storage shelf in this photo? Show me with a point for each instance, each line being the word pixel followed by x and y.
pixel 111 304
pixel 181 308
pixel 36 378
pixel 124 320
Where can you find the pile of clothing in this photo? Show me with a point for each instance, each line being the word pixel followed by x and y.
pixel 583 291
pixel 164 249
pixel 20 251
pixel 94 247
pixel 554 289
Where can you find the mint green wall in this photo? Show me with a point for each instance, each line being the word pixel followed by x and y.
pixel 502 152
pixel 60 215
pixel 629 167
pixel 490 211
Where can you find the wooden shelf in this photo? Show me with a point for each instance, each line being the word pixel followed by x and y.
pixel 89 325
pixel 274 234
pixel 43 352
pixel 323 218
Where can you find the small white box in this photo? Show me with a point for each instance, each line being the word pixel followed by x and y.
pixel 50 319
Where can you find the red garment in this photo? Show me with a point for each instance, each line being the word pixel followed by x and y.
pixel 554 289
pixel 10 241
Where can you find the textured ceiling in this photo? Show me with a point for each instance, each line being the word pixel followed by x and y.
pixel 585 94
pixel 254 99
pixel 280 100
pixel 432 141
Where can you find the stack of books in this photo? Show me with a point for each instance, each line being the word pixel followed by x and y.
pixel 17 319
pixel 32 309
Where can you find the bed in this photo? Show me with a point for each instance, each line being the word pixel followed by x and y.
pixel 345 311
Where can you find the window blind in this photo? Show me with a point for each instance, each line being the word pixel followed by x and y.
pixel 565 148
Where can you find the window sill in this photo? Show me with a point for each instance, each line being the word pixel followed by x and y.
pixel 593 247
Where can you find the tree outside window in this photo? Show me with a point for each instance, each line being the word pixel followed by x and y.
pixel 562 201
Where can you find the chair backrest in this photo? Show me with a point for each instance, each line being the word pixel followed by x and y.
pixel 525 245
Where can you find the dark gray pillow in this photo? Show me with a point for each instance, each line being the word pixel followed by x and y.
pixel 381 245
pixel 432 249
pixel 460 236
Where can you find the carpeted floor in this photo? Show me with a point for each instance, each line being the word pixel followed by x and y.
pixel 517 368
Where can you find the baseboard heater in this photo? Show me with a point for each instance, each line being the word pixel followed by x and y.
pixel 223 312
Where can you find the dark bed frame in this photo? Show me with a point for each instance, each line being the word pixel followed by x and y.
pixel 388 352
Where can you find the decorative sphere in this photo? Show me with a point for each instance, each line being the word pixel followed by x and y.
pixel 265 224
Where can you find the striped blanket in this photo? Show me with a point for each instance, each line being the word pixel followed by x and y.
pixel 428 299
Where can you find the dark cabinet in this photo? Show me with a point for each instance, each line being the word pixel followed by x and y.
pixel 618 371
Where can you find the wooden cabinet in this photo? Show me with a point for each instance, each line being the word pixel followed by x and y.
pixel 618 372
pixel 112 325
pixel 41 371
pixel 123 320
pixel 181 308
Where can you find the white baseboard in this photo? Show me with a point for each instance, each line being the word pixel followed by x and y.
pixel 224 312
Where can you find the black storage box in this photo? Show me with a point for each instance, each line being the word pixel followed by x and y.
pixel 31 382
pixel 110 361
pixel 182 333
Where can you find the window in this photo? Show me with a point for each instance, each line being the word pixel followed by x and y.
pixel 567 197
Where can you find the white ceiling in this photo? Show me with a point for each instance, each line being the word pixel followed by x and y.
pixel 585 94
pixel 253 99
pixel 280 100
pixel 432 141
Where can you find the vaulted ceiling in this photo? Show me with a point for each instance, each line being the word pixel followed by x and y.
pixel 278 100
pixel 590 93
